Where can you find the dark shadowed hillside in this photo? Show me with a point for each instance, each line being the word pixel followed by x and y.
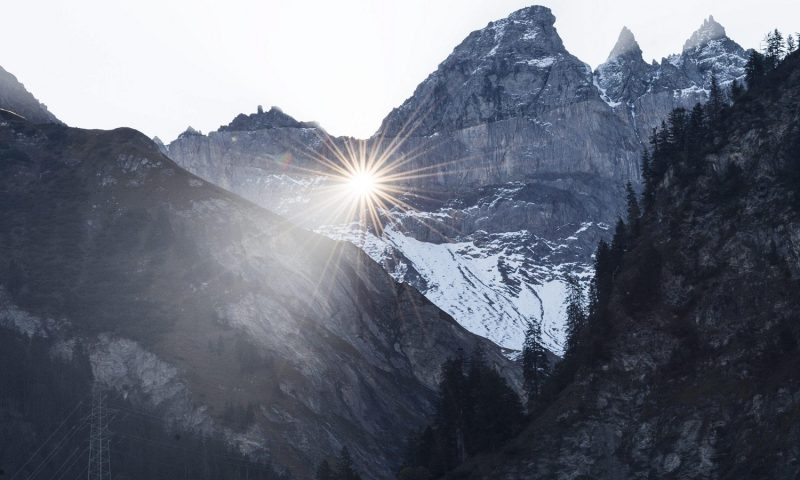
pixel 693 372
pixel 205 310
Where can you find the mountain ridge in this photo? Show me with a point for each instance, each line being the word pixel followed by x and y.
pixel 207 310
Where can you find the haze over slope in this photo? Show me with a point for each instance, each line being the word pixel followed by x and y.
pixel 208 310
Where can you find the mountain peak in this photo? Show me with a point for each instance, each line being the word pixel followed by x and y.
pixel 537 13
pixel 709 30
pixel 528 26
pixel 190 132
pixel 626 44
pixel 272 118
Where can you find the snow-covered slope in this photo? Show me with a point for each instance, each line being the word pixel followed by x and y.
pixel 492 284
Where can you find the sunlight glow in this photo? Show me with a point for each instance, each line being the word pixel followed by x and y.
pixel 363 184
pixel 367 182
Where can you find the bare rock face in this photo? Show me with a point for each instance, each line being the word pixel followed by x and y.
pixel 182 285
pixel 511 102
pixel 625 74
pixel 15 98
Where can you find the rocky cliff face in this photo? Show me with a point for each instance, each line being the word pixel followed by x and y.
pixel 508 103
pixel 700 378
pixel 14 97
pixel 204 308
pixel 516 155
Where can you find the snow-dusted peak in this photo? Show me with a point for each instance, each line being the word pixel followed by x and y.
pixel 626 45
pixel 535 13
pixel 514 67
pixel 710 30
pixel 515 35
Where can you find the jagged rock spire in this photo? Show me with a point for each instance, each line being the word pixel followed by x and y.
pixel 709 30
pixel 626 45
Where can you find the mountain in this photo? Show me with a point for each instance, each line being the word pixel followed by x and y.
pixel 200 308
pixel 510 103
pixel 646 93
pixel 516 155
pixel 267 157
pixel 695 374
pixel 14 97
pixel 624 75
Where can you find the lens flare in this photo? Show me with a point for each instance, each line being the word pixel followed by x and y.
pixel 363 184
pixel 370 183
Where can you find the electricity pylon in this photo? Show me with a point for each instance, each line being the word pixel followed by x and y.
pixel 99 453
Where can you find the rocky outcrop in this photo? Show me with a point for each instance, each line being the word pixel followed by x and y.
pixel 184 286
pixel 15 98
pixel 625 75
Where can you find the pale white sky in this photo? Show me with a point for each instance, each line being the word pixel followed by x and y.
pixel 160 65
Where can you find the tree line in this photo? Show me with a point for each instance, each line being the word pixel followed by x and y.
pixel 476 411
pixel 775 49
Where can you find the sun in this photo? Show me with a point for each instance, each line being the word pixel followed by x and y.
pixel 366 182
pixel 363 184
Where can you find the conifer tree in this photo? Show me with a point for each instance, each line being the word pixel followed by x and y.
pixel 695 137
pixel 476 412
pixel 603 274
pixel 716 103
pixel 678 120
pixel 324 471
pixel 632 201
pixel 775 49
pixel 737 90
pixel 791 44
pixel 754 69
pixel 495 411
pixel 648 181
pixel 575 309
pixel 619 245
pixel 535 365
pixel 451 413
pixel 344 467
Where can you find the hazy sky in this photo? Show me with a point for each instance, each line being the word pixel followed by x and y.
pixel 161 65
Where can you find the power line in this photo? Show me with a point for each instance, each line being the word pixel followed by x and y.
pixel 70 433
pixel 70 462
pixel 50 437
